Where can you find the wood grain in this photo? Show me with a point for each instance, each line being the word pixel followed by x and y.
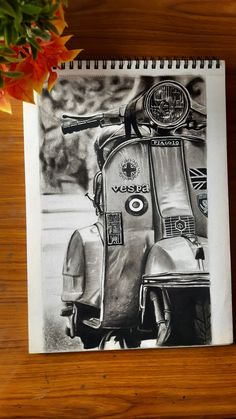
pixel 167 383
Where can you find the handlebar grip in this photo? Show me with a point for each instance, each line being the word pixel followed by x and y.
pixel 72 123
pixel 70 126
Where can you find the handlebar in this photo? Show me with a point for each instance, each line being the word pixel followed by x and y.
pixel 166 105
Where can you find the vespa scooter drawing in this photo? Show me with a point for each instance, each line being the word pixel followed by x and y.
pixel 141 271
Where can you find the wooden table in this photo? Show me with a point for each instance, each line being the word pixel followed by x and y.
pixel 166 383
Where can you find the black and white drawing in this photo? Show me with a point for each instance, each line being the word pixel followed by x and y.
pixel 124 213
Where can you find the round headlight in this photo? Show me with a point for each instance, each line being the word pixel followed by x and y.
pixel 167 104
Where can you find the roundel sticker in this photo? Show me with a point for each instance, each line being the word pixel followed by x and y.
pixel 136 205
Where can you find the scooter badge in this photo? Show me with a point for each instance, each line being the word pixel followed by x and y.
pixel 129 169
pixel 202 203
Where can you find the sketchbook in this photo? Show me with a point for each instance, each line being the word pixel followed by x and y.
pixel 127 207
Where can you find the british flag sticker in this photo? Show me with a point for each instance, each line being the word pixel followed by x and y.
pixel 198 178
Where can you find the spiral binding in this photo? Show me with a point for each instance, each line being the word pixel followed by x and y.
pixel 161 63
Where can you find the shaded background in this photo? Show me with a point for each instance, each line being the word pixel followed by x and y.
pixel 69 162
pixel 197 383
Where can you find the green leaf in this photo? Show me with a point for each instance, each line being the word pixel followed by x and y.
pixel 46 9
pixel 34 43
pixel 34 47
pixel 18 21
pixel 3 60
pixel 45 35
pixel 31 9
pixel 51 27
pixel 34 52
pixel 1 82
pixel 8 34
pixel 12 74
pixel 11 59
pixel 14 35
pixel 2 14
pixel 7 9
pixel 6 50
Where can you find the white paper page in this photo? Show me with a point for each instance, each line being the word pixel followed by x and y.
pixel 47 210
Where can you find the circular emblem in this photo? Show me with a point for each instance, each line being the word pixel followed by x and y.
pixel 167 104
pixel 129 169
pixel 136 205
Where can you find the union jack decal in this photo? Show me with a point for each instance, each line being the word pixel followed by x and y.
pixel 198 178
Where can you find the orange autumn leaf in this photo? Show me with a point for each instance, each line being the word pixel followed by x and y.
pixel 56 52
pixel 50 55
pixel 63 55
pixel 35 74
pixel 5 104
pixel 51 80
pixel 60 22
pixel 67 55
pixel 38 71
pixel 21 89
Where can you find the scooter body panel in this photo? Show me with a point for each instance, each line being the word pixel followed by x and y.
pixel 83 267
pixel 196 171
pixel 172 208
pixel 74 269
pixel 176 255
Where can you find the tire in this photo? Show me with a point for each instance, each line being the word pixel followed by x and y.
pixel 202 321
pixel 191 317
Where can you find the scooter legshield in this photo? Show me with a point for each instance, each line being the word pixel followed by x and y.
pixel 128 232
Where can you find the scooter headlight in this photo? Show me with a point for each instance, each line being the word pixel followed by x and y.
pixel 167 104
